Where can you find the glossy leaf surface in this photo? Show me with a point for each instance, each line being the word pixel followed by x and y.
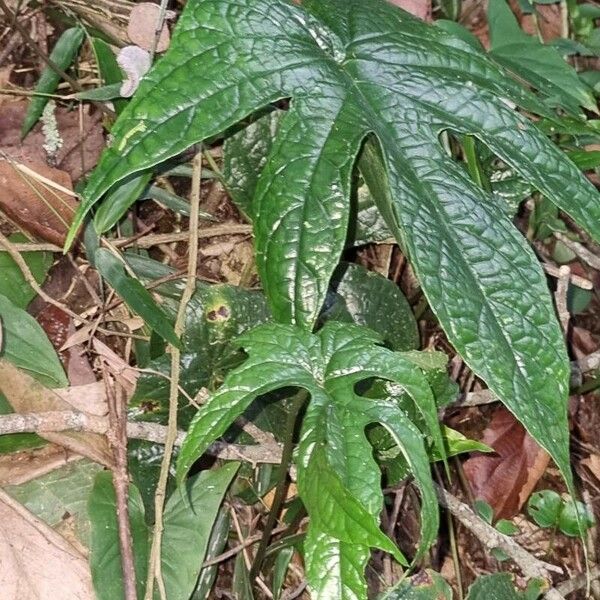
pixel 354 68
pixel 338 479
pixel 188 521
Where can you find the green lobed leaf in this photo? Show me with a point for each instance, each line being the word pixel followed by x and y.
pixel 341 489
pixel 63 54
pixel 189 516
pixel 105 554
pixel 26 345
pixel 134 294
pixel 354 68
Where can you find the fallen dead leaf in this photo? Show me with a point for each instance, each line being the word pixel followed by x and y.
pixel 37 208
pixel 25 394
pixel 142 27
pixel 121 370
pixel 82 143
pixel 20 467
pixel 506 479
pixel 592 462
pixel 37 562
pixel 419 8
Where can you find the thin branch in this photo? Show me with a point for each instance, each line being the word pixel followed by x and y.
pixel 154 570
pixel 73 420
pixel 117 438
pixel 147 241
pixel 580 250
pixel 560 297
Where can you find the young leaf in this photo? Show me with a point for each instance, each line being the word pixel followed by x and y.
pixel 62 55
pixel 188 520
pixel 337 477
pixel 135 295
pixel 105 554
pixel 26 345
pixel 499 586
pixel 354 68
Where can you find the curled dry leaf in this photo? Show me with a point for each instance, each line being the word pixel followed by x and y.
pixel 37 562
pixel 25 394
pixel 506 479
pixel 35 206
pixel 143 22
pixel 135 62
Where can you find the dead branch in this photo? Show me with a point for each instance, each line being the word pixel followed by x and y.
pixel 73 420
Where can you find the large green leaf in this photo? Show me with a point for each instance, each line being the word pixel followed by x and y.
pixel 188 521
pixel 353 68
pixel 105 553
pixel 338 478
pixel 26 345
pixel 540 65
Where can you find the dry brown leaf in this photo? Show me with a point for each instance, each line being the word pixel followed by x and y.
pixel 506 479
pixel 419 8
pixel 37 562
pixel 34 206
pixel 25 394
pixel 142 27
pixel 122 371
pixel 20 467
pixel 592 462
pixel 82 142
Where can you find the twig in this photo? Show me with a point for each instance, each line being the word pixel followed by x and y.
pixel 160 22
pixel 249 541
pixel 238 530
pixel 117 438
pixel 576 280
pixel 148 241
pixel 560 297
pixel 576 583
pixel 586 256
pixel 531 566
pixel 30 279
pixel 154 570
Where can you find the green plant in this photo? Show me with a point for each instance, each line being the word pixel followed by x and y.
pixel 548 509
pixel 365 84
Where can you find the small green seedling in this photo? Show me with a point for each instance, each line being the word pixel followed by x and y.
pixel 549 509
pixel 504 526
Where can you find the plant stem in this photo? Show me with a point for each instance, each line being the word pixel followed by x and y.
pixel 280 492
pixel 154 568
